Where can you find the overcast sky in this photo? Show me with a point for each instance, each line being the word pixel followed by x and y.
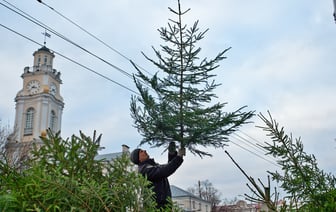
pixel 282 60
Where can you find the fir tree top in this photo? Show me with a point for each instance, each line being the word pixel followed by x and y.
pixel 179 105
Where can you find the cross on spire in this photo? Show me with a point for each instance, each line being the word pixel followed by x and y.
pixel 46 34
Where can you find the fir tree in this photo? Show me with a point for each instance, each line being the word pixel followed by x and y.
pixel 179 105
pixel 307 186
pixel 64 175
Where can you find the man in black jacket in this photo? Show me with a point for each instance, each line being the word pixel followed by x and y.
pixel 158 174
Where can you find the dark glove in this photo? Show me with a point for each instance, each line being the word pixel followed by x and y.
pixel 172 147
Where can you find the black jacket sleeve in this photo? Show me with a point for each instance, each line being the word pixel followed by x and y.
pixel 157 172
pixel 171 156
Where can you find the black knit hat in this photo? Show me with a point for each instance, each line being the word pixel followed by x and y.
pixel 135 156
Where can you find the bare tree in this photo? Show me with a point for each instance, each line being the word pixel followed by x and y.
pixel 14 152
pixel 206 191
pixel 4 133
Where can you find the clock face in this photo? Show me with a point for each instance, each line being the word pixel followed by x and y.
pixel 33 86
pixel 53 89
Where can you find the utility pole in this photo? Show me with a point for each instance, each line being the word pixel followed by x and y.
pixel 199 189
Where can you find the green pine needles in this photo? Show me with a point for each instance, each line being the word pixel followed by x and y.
pixel 309 188
pixel 179 106
pixel 63 175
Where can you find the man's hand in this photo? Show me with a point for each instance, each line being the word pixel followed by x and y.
pixel 181 152
pixel 172 147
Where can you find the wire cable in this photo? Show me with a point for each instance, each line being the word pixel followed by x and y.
pixel 258 143
pixel 72 60
pixel 39 23
pixel 46 27
pixel 256 147
pixel 92 35
pixel 246 149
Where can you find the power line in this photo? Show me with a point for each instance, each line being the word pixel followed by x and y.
pixel 248 144
pixel 39 23
pixel 258 143
pixel 92 35
pixel 44 26
pixel 256 147
pixel 255 154
pixel 72 60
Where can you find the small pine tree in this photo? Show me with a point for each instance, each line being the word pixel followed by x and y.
pixel 63 175
pixel 308 187
pixel 181 109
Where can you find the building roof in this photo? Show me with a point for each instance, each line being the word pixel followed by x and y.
pixel 178 192
pixel 109 156
pixel 45 49
pixel 114 155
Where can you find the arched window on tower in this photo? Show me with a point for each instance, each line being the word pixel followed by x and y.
pixel 45 60
pixel 39 61
pixel 52 124
pixel 28 130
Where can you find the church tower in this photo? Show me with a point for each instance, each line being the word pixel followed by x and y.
pixel 39 105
